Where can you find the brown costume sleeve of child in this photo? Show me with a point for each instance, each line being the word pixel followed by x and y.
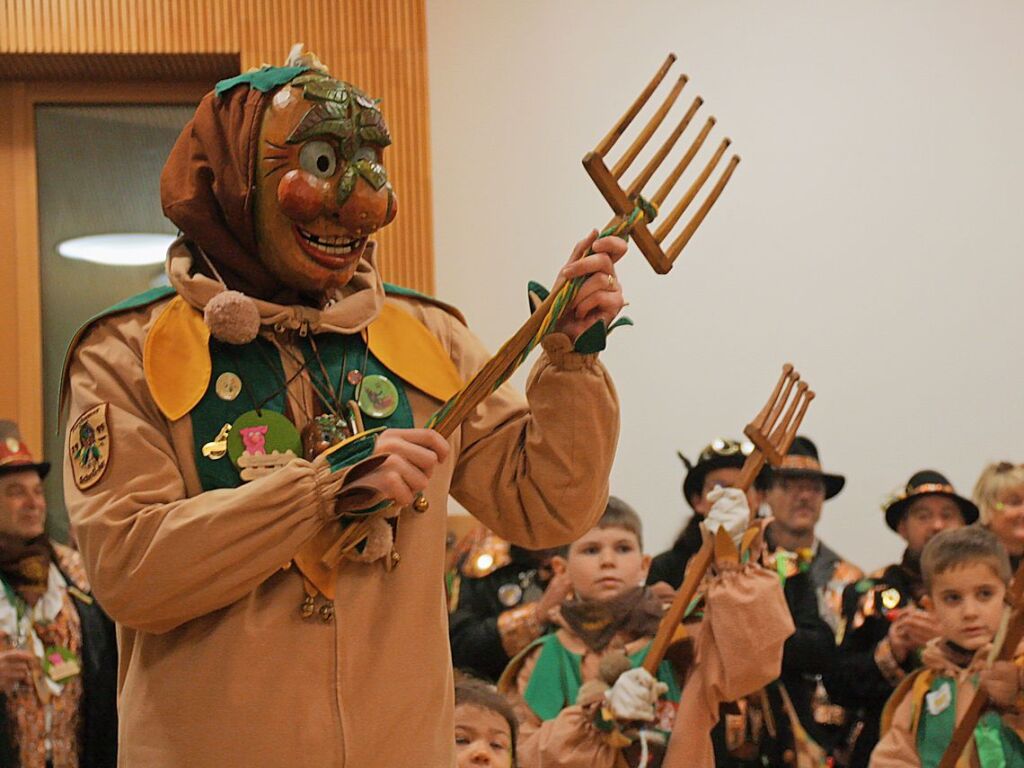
pixel 569 740
pixel 166 557
pixel 738 650
pixel 898 748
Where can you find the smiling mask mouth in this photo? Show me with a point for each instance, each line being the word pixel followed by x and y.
pixel 334 245
pixel 329 250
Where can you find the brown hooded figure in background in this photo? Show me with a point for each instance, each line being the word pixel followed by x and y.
pixel 227 455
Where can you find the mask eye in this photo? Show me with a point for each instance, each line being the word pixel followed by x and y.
pixel 318 158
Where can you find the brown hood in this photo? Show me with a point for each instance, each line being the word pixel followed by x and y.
pixel 207 186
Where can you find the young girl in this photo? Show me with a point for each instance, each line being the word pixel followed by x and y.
pixel 485 726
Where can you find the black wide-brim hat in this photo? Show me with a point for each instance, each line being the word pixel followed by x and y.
pixel 802 461
pixel 718 454
pixel 927 482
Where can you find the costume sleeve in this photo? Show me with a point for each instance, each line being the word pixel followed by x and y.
pixel 570 740
pixel 811 648
pixel 738 649
pixel 856 679
pixel 156 558
pixel 536 472
pixel 896 748
pixel 473 632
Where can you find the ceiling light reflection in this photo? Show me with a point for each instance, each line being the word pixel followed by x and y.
pixel 119 249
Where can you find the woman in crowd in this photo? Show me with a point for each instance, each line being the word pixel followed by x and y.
pixel 999 494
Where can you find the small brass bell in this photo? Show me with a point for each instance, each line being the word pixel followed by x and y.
pixel 308 607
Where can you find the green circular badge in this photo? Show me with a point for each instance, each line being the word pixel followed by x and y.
pixel 262 434
pixel 378 397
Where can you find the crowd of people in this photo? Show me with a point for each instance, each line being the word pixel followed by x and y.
pixel 862 645
pixel 257 509
pixel 549 643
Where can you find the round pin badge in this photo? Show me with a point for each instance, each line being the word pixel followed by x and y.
pixel 378 396
pixel 510 594
pixel 262 433
pixel 228 386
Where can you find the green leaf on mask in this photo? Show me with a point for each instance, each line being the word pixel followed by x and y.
pixel 347 184
pixel 327 90
pixel 374 173
pixel 372 134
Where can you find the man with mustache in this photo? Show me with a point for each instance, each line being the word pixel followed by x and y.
pixel 796 493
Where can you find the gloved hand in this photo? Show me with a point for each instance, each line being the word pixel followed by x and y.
pixel 729 510
pixel 634 695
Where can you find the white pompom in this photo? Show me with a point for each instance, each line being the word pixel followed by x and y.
pixel 232 317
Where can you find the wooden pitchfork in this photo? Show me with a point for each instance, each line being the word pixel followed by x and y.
pixel 624 200
pixel 772 432
pixel 1006 641
pixel 633 214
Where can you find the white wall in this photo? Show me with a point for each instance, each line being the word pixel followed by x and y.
pixel 872 233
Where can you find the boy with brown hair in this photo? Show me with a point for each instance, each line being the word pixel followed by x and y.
pixel 966 572
pixel 581 694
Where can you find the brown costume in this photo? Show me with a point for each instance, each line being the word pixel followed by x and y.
pixel 903 718
pixel 737 650
pixel 218 667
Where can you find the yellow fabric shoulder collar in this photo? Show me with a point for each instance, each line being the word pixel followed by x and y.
pixel 406 346
pixel 176 356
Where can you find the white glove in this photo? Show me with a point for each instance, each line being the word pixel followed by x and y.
pixel 729 510
pixel 634 695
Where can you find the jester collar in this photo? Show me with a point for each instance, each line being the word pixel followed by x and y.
pixel 352 308
pixel 176 355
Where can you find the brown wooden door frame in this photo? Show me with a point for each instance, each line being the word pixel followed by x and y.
pixel 21 396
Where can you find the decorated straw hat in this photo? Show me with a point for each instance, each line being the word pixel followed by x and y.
pixel 719 453
pixel 802 461
pixel 14 454
pixel 925 483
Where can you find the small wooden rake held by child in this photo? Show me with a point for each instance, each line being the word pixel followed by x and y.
pixel 633 213
pixel 772 432
pixel 1011 632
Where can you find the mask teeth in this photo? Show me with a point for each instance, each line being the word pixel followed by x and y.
pixel 335 245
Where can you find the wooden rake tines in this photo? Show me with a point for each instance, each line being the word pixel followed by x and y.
pixel 623 199
pixel 772 431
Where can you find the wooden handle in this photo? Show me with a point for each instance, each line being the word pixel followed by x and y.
pixel 1014 633
pixel 695 570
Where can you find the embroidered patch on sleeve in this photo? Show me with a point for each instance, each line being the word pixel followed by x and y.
pixel 89 447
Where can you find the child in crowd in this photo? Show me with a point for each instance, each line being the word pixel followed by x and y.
pixel 485 726
pixel 582 698
pixel 966 572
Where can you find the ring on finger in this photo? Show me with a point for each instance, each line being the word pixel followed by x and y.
pixel 611 282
